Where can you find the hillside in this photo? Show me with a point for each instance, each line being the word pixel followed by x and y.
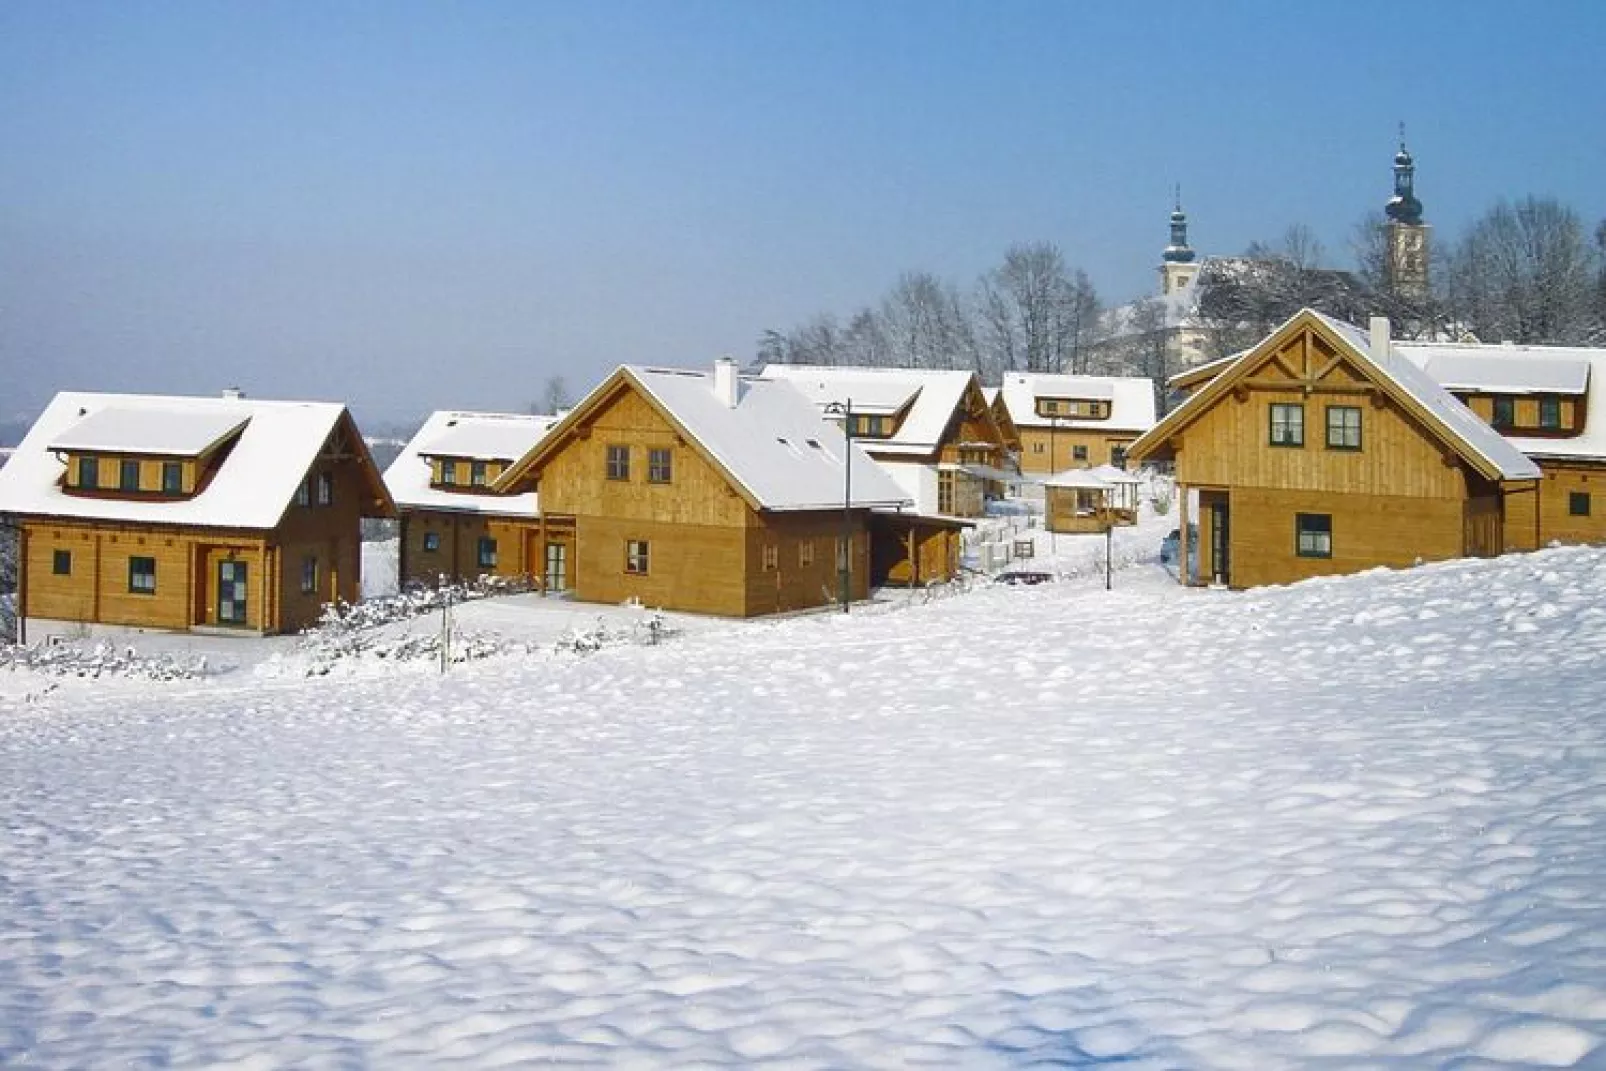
pixel 1359 820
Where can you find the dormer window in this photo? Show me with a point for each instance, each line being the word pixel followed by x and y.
pixel 477 473
pixel 1505 412
pixel 871 426
pixel 1083 408
pixel 172 478
pixel 1550 413
pixel 89 473
pixel 128 475
pixel 448 472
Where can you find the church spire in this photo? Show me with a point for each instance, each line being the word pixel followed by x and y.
pixel 1178 252
pixel 1403 207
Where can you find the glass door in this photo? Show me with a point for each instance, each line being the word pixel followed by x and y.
pixel 231 592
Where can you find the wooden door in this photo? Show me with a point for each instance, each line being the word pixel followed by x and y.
pixel 233 592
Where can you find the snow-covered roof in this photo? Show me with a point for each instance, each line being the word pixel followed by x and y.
pixel 773 442
pixel 485 436
pixel 1131 400
pixel 171 432
pixel 253 486
pixel 932 395
pixel 1487 373
pixel 1506 369
pixel 1079 478
pixel 1110 474
pixel 1466 425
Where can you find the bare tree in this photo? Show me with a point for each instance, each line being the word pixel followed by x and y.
pixel 1526 273
pixel 554 396
pixel 1034 316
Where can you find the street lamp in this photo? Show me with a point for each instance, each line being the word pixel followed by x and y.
pixel 844 575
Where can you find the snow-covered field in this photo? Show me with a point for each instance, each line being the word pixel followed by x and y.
pixel 1356 822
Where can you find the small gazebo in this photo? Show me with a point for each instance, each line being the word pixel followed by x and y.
pixel 1122 501
pixel 1076 500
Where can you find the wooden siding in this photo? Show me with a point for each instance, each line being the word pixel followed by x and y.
pixel 1045 451
pixel 1367 531
pixel 97 588
pixel 1544 516
pixel 574 481
pixel 1525 415
pixel 457 559
pixel 790 584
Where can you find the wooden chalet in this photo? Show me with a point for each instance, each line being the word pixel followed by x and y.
pixel 1005 422
pixel 190 513
pixel 1550 403
pixel 1067 421
pixel 712 493
pixel 454 527
pixel 933 431
pixel 1320 450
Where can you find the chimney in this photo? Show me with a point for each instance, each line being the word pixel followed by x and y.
pixel 727 386
pixel 1380 338
pixel 233 394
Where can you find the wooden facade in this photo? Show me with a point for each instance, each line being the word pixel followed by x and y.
pixel 459 547
pixel 1048 450
pixel 179 576
pixel 1370 477
pixel 646 514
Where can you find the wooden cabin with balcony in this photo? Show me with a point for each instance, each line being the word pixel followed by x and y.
pixel 454 527
pixel 932 431
pixel 187 513
pixel 1550 403
pixel 1073 421
pixel 711 493
pixel 1321 451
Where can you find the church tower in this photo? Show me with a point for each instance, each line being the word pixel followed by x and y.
pixel 1405 264
pixel 1177 266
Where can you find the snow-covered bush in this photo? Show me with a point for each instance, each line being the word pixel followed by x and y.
pixel 105 659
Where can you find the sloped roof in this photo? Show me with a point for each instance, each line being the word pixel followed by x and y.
pixel 483 436
pixel 773 444
pixel 1131 400
pixel 1456 423
pixel 1493 370
pixel 1082 478
pixel 170 432
pixel 252 488
pixel 934 393
pixel 1504 369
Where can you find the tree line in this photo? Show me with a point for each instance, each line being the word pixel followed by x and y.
pixel 1528 271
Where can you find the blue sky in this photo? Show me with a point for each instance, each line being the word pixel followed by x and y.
pixel 411 206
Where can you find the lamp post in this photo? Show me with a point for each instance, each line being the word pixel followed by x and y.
pixel 844 576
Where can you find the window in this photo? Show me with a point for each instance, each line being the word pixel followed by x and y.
pixel 61 562
pixel 476 473
pixel 1577 504
pixel 772 557
pixel 659 466
pixel 872 427
pixel 128 475
pixel 945 491
pixel 326 488
pixel 142 576
pixel 636 557
pixel 1079 453
pixel 1550 412
pixel 1037 448
pixel 432 542
pixel 1505 412
pixel 618 462
pixel 172 478
pixel 487 552
pixel 448 472
pixel 89 473
pixel 805 553
pixel 1313 535
pixel 309 575
pixel 304 493
pixel 1118 456
pixel 1343 427
pixel 1287 424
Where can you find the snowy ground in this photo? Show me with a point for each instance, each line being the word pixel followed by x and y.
pixel 1350 822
